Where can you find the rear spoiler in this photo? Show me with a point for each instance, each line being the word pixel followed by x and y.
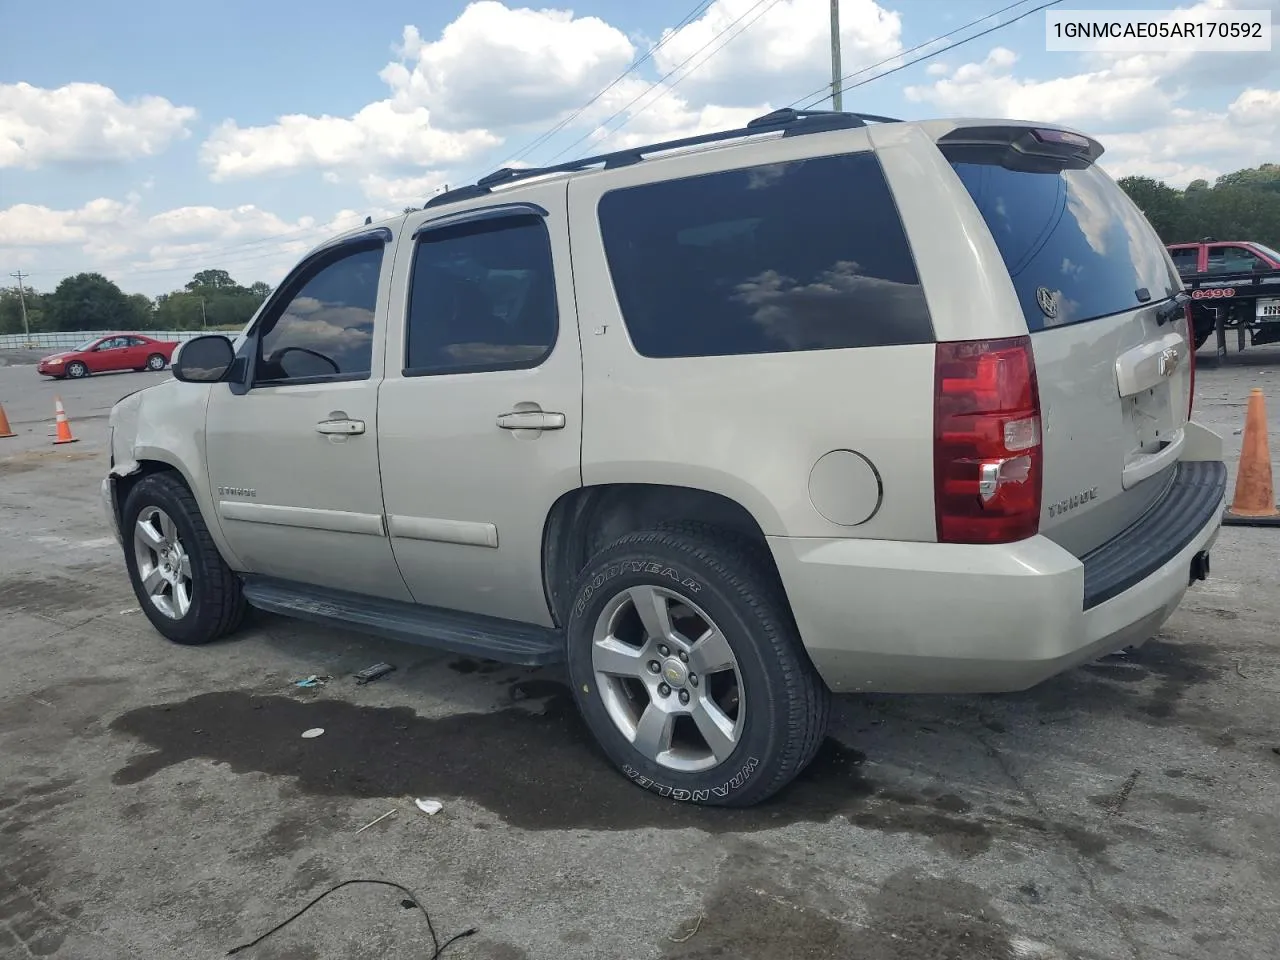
pixel 1033 149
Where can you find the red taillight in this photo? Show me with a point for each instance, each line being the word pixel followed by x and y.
pixel 1191 347
pixel 988 458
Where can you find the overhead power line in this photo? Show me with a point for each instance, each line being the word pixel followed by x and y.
pixel 919 46
pixel 736 20
pixel 825 92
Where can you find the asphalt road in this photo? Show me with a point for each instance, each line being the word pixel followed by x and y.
pixel 158 801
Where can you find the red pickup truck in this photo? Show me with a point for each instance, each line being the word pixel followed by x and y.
pixel 1233 284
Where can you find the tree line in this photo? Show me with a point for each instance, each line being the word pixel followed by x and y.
pixel 1244 205
pixel 89 301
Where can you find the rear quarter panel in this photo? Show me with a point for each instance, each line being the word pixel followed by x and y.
pixel 751 427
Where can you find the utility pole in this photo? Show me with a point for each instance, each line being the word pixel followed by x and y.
pixel 22 298
pixel 837 99
pixel 204 322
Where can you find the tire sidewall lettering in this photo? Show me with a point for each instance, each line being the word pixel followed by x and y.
pixel 665 571
pixel 734 783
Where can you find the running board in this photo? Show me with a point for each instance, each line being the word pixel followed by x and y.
pixel 469 634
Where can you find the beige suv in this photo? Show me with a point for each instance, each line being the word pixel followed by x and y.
pixel 829 403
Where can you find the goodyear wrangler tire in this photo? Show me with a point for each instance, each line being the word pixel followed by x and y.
pixel 686 663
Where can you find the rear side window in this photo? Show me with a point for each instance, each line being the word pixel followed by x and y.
pixel 1076 247
pixel 803 255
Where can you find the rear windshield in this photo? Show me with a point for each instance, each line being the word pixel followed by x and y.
pixel 1076 247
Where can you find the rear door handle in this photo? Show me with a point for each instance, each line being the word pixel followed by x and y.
pixel 531 420
pixel 341 428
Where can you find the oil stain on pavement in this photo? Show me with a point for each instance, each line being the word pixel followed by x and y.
pixel 534 770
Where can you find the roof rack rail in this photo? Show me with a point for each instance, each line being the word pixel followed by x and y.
pixel 791 122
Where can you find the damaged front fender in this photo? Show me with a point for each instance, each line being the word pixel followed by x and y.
pixel 162 427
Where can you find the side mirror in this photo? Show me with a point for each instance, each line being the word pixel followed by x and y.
pixel 203 359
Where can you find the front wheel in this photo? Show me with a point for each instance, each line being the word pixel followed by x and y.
pixel 688 668
pixel 182 583
pixel 155 362
pixel 76 370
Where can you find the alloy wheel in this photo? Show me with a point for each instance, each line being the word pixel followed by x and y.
pixel 668 678
pixel 164 567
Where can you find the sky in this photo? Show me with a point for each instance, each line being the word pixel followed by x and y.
pixel 236 136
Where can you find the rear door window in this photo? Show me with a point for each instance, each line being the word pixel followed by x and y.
pixel 802 255
pixel 1233 260
pixel 1076 247
pixel 1186 260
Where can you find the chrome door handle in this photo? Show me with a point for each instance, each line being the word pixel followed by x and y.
pixel 531 420
pixel 341 428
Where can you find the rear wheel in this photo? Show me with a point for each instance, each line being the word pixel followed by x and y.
pixel 76 370
pixel 688 668
pixel 155 362
pixel 182 583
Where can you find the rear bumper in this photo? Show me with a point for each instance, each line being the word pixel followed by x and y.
pixel 898 617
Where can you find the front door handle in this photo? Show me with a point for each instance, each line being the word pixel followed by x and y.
pixel 341 428
pixel 531 420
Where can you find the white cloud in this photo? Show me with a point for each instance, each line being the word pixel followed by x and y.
pixel 380 134
pixel 1132 104
pixel 1197 69
pixel 784 52
pixel 493 67
pixel 83 123
pixel 659 114
pixel 158 252
pixel 497 67
pixel 1193 145
pixel 1256 108
pixel 401 191
pixel 992 89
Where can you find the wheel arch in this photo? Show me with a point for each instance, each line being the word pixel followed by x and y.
pixel 150 462
pixel 586 519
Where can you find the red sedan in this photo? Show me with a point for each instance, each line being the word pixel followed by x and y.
pixel 117 351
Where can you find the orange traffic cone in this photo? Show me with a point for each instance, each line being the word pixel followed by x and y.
pixel 64 427
pixel 1255 500
pixel 5 431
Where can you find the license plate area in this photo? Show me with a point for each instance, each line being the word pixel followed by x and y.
pixel 1268 311
pixel 1150 424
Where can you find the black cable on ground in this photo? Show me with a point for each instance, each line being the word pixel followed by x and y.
pixel 437 947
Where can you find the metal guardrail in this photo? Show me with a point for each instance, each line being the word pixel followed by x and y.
pixel 66 339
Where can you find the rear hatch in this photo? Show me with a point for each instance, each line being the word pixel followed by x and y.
pixel 1102 303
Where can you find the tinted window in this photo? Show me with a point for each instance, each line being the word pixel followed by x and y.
pixel 1232 260
pixel 804 255
pixel 482 297
pixel 325 328
pixel 1187 260
pixel 1074 234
